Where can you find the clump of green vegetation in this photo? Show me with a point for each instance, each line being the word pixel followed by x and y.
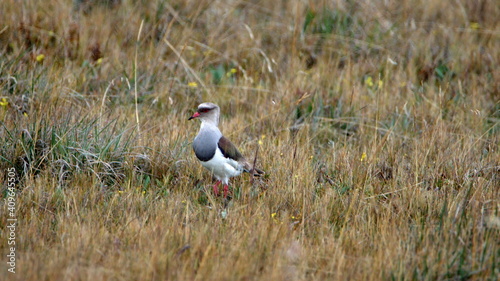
pixel 377 125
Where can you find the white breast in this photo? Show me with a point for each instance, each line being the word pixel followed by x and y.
pixel 223 168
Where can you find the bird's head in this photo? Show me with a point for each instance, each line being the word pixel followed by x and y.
pixel 207 112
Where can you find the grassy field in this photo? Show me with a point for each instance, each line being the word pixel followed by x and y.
pixel 377 123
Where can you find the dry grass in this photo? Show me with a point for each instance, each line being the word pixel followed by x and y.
pixel 376 121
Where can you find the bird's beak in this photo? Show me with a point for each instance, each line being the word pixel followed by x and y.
pixel 196 114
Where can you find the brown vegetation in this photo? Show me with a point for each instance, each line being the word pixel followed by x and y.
pixel 377 123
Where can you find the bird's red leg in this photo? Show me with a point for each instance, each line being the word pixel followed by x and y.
pixel 216 190
pixel 226 190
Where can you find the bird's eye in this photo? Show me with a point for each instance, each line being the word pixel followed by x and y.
pixel 203 110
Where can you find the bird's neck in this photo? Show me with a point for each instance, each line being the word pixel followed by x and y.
pixel 208 125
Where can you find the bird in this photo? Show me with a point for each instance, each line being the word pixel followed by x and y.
pixel 215 152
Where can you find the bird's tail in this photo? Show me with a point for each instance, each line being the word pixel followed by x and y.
pixel 257 172
pixel 252 170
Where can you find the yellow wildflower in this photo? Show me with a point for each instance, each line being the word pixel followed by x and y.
pixel 193 84
pixel 261 139
pixel 380 83
pixel 274 216
pixel 99 61
pixel 231 72
pixel 4 102
pixel 474 25
pixel 369 81
pixel 363 157
pixel 25 114
pixel 40 58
